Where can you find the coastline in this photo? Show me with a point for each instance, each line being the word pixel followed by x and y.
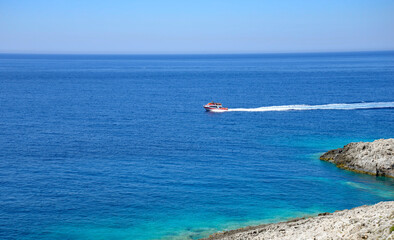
pixel 374 158
pixel 363 222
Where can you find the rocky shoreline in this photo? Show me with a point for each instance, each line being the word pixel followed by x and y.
pixel 365 222
pixel 374 158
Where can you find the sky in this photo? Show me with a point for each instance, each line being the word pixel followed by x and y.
pixel 199 26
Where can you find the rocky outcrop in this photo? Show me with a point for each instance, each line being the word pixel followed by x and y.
pixel 375 158
pixel 365 222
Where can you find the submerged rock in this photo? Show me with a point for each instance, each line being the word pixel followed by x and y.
pixel 375 158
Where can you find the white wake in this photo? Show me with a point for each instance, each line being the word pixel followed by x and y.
pixel 334 106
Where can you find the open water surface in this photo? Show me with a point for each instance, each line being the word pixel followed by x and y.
pixel 119 147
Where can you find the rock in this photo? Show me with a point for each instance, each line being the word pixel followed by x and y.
pixel 375 158
pixel 331 226
pixel 324 214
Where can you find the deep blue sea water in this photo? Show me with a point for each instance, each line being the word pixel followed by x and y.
pixel 119 147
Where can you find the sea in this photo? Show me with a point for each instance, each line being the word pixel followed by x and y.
pixel 120 146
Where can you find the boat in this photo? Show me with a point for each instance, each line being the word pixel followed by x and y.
pixel 215 107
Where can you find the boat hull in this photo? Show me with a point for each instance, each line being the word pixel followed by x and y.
pixel 208 109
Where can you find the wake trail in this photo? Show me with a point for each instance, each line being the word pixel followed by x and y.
pixel 333 106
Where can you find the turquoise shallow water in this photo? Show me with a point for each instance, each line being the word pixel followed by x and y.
pixel 119 147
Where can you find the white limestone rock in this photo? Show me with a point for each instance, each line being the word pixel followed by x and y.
pixel 365 222
pixel 375 158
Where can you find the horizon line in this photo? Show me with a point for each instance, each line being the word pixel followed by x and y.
pixel 191 53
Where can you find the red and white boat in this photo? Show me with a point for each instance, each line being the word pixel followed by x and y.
pixel 215 107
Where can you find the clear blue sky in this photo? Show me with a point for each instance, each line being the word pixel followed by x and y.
pixel 200 26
